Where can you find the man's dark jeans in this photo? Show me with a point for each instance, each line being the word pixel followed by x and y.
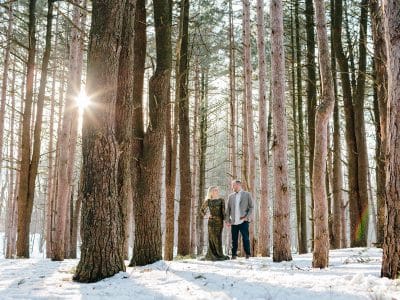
pixel 244 230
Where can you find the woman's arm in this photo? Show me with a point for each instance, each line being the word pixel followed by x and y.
pixel 223 209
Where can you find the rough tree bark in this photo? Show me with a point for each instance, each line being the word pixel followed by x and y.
pixel 324 112
pixel 123 114
pixel 264 231
pixel 380 87
pixel 147 201
pixel 391 245
pixel 281 250
pixel 103 214
pixel 185 196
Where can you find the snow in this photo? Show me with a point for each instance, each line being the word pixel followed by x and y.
pixel 353 274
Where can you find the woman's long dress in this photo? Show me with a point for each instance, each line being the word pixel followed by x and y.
pixel 215 226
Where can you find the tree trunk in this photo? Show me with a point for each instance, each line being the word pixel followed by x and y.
pixel 24 205
pixel 170 180
pixel 380 109
pixel 184 138
pixel 67 233
pixel 123 114
pixel 11 202
pixel 391 245
pixel 202 156
pixel 302 167
pixel 311 96
pixel 249 99
pixel 337 181
pixel 264 231
pixel 295 143
pixel 29 166
pixel 67 138
pixel 195 161
pixel 75 222
pixel 50 178
pixel 103 214
pixel 7 52
pixel 324 112
pixel 337 176
pixel 355 131
pixel 147 192
pixel 281 250
pixel 232 98
pixel 361 237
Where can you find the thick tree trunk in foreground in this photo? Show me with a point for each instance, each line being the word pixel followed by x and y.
pixel 103 214
pixel 391 245
pixel 281 238
pixel 147 200
pixel 324 112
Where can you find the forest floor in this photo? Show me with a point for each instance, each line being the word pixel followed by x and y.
pixel 353 274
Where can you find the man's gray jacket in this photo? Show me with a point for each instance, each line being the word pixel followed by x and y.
pixel 246 207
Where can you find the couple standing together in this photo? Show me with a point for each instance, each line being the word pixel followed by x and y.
pixel 237 215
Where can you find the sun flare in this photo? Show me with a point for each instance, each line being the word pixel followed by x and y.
pixel 82 100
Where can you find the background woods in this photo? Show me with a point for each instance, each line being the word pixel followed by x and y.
pixel 116 116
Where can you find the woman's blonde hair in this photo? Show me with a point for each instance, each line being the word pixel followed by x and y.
pixel 210 190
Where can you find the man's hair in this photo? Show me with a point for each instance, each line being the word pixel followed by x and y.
pixel 236 181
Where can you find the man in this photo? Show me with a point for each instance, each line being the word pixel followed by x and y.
pixel 238 215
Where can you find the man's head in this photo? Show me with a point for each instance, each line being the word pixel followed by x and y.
pixel 236 185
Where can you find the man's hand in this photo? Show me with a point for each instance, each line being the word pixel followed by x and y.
pixel 244 218
pixel 228 224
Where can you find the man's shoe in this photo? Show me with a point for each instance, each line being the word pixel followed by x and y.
pixel 234 257
pixel 247 256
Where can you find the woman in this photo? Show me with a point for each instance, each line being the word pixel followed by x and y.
pixel 216 206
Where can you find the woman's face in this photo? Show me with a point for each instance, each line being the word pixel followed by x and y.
pixel 215 193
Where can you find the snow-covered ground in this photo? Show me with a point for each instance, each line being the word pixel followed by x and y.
pixel 353 274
